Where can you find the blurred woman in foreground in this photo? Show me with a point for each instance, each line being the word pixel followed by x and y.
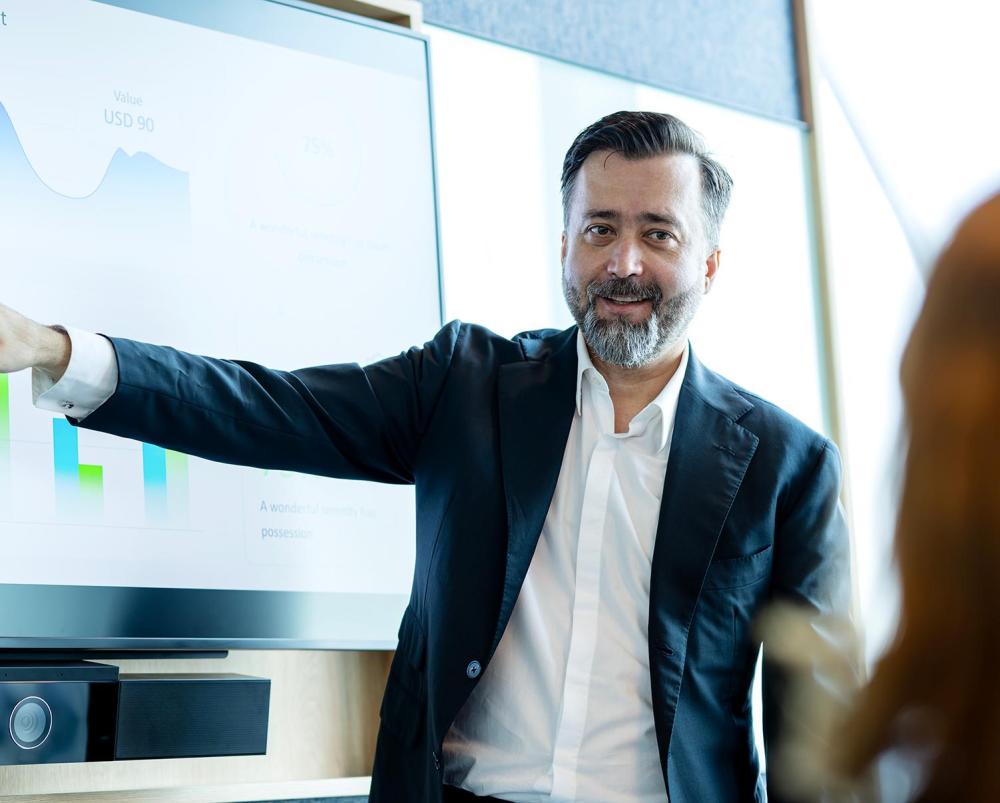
pixel 935 695
pixel 926 728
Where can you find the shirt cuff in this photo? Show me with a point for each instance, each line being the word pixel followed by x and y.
pixel 91 377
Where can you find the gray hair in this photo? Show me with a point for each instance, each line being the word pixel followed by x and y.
pixel 640 135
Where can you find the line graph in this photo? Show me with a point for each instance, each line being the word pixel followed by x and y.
pixel 139 210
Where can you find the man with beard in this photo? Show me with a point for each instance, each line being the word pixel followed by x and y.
pixel 599 516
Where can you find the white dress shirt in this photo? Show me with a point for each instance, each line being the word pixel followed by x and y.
pixel 564 712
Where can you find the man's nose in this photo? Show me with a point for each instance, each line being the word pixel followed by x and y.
pixel 626 260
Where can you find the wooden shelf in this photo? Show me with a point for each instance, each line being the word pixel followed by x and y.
pixel 407 13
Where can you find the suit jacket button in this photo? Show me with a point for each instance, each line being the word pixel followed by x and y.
pixel 437 760
pixel 473 670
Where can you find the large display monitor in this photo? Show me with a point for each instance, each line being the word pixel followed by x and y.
pixel 250 179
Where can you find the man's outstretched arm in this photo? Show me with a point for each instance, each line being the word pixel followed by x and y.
pixel 336 420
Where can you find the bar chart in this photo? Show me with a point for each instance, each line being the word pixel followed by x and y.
pixel 79 487
pixel 82 504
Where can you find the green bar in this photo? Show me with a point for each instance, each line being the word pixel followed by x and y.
pixel 177 486
pixel 92 480
pixel 4 438
pixel 177 466
pixel 4 407
pixel 91 490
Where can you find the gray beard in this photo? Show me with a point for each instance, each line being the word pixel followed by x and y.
pixel 617 341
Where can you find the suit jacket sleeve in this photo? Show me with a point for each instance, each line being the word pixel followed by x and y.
pixel 342 421
pixel 811 571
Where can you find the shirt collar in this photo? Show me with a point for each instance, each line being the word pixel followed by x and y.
pixel 665 401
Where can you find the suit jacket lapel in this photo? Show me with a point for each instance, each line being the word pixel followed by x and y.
pixel 709 456
pixel 536 407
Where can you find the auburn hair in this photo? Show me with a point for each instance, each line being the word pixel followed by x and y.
pixel 935 694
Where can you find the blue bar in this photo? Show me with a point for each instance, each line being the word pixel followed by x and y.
pixel 66 456
pixel 66 449
pixel 154 475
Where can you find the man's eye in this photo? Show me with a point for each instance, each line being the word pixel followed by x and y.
pixel 662 236
pixel 600 231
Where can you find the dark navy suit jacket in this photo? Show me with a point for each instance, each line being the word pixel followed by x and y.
pixel 478 424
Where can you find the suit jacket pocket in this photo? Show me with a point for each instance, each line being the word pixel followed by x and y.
pixel 739 571
pixel 403 711
pixel 412 643
pixel 405 700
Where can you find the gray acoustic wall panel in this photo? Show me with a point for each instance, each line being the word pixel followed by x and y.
pixel 737 52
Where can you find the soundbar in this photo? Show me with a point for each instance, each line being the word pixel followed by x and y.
pixel 61 712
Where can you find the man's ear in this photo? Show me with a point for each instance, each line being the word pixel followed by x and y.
pixel 712 267
pixel 562 249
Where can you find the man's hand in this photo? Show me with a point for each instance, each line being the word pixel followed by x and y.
pixel 27 344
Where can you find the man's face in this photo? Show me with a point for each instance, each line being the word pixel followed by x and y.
pixel 636 260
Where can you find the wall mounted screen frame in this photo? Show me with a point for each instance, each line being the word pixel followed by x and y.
pixel 81 618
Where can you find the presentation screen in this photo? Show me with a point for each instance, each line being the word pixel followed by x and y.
pixel 245 179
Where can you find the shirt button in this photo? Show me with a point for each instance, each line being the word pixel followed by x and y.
pixel 473 670
pixel 67 405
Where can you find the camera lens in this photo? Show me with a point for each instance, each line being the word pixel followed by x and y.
pixel 30 722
